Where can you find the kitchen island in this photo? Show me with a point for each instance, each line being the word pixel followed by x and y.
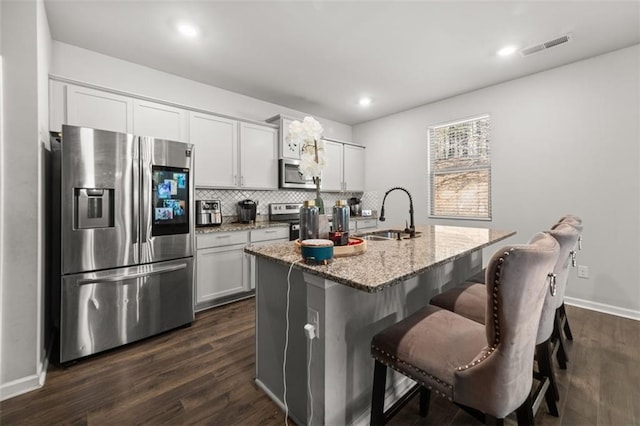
pixel 352 298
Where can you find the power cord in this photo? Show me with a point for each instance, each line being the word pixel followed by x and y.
pixel 309 380
pixel 286 345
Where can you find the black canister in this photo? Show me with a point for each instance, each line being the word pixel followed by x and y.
pixel 340 224
pixel 309 220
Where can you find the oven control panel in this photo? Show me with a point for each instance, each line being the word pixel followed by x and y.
pixel 282 209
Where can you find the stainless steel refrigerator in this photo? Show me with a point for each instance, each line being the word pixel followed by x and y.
pixel 123 248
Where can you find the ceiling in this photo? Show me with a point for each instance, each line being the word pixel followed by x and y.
pixel 320 57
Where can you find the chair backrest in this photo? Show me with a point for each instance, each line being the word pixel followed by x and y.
pixel 499 378
pixel 572 220
pixel 566 236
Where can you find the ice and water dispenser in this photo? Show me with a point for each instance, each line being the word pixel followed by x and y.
pixel 93 208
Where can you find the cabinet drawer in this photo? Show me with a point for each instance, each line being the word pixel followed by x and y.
pixel 269 234
pixel 367 223
pixel 218 239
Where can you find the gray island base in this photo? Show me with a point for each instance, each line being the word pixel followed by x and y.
pixel 354 298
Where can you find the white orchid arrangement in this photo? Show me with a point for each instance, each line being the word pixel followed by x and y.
pixel 308 136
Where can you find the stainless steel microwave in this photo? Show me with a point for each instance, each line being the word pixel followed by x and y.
pixel 290 176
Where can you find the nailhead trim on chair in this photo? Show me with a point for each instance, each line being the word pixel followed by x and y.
pixel 496 323
pixel 435 379
pixel 488 352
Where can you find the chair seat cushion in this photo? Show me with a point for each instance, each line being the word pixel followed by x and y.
pixel 467 299
pixel 429 345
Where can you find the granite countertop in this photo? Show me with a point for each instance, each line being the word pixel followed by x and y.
pixel 227 227
pixel 389 262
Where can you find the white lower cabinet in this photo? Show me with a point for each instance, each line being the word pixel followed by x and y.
pixel 263 237
pixel 362 225
pixel 223 269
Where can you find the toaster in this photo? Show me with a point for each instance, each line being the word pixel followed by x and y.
pixel 208 213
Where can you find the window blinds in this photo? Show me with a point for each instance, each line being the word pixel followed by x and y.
pixel 460 169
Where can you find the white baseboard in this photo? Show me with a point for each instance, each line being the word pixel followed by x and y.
pixel 25 384
pixel 22 385
pixel 604 308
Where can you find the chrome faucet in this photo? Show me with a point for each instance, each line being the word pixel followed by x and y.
pixel 411 229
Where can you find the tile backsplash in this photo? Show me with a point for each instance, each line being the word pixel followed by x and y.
pixel 230 197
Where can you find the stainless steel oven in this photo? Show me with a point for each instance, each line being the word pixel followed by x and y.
pixel 290 177
pixel 287 212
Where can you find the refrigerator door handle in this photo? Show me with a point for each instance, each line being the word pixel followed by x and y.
pixel 135 194
pixel 145 189
pixel 118 278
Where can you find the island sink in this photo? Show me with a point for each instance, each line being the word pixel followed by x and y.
pixel 389 234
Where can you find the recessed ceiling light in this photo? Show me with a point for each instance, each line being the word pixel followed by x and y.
pixel 187 30
pixel 364 101
pixel 507 50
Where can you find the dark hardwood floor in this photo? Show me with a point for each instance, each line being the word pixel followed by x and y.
pixel 204 375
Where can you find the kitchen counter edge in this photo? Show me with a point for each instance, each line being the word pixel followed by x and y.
pixel 229 227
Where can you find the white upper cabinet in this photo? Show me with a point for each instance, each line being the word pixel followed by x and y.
pixel 216 142
pixel 233 154
pixel 258 156
pixel 332 172
pixel 284 150
pixel 344 170
pixel 353 168
pixel 160 121
pixel 228 153
pixel 97 109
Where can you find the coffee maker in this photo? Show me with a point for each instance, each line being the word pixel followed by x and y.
pixel 247 210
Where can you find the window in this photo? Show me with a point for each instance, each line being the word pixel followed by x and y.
pixel 460 169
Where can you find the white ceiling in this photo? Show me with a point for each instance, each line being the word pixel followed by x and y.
pixel 320 57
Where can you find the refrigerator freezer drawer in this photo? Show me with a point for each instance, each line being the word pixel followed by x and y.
pixel 105 309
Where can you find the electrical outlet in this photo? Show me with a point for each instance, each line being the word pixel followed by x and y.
pixel 313 318
pixel 583 271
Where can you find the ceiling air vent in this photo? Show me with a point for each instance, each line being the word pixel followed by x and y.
pixel 546 45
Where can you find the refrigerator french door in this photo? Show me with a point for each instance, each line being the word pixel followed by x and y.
pixel 126 238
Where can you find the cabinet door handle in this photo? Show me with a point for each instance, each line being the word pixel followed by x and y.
pixel 270 232
pixel 223 236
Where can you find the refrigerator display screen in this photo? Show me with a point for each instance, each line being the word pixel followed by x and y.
pixel 170 203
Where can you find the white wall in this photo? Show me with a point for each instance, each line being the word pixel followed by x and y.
pixel 91 67
pixel 25 68
pixel 564 141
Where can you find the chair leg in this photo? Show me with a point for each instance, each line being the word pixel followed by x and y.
pixel 377 398
pixel 524 413
pixel 559 341
pixel 492 421
pixel 567 329
pixel 545 366
pixel 425 396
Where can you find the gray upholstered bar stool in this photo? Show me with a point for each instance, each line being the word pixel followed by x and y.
pixel 576 222
pixel 467 300
pixel 573 220
pixel 484 369
pixel 561 322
